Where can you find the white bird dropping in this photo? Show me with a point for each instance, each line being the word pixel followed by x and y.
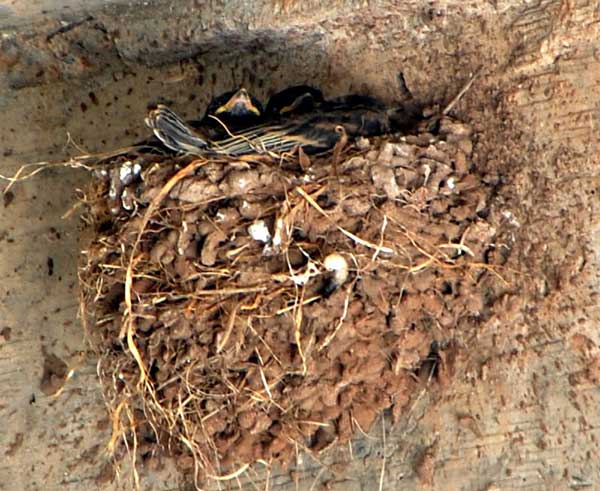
pixel 259 231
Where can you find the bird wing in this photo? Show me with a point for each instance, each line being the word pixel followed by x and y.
pixel 174 133
pixel 279 138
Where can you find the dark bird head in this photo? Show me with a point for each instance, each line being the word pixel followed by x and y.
pixel 407 117
pixel 294 100
pixel 235 104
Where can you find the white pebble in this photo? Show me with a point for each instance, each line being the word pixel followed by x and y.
pixel 310 271
pixel 278 233
pixel 338 265
pixel 386 153
pixel 259 231
pixel 125 171
pixel 427 171
pixel 128 171
pixel 112 192
pixel 511 218
pixel 363 143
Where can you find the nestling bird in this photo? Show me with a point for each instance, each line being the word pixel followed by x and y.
pixel 298 116
pixel 297 99
pixel 229 113
pixel 314 132
pixel 235 124
pixel 226 114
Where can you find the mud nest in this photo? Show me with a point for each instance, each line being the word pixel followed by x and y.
pixel 228 329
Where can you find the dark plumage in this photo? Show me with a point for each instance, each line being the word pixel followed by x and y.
pixel 227 113
pixel 314 132
pixel 294 100
pixel 353 102
pixel 295 117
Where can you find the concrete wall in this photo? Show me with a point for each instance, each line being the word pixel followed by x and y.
pixel 521 410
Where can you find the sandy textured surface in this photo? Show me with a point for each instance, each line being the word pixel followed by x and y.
pixel 520 409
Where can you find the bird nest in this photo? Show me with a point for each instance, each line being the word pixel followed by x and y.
pixel 247 310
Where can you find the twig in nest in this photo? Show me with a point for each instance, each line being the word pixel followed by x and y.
pixel 80 162
pixel 71 210
pixel 257 397
pixel 491 269
pixel 383 227
pixel 462 92
pixel 339 146
pixel 360 429
pixel 265 383
pixel 229 330
pixel 136 475
pixel 76 162
pixel 348 234
pixel 74 143
pixel 228 131
pixel 338 326
pixel 459 247
pixel 421 266
pixel 382 474
pixel 165 190
pixel 163 296
pixel 231 475
pixel 262 340
pixel 306 301
pixel 298 303
pixel 321 470
pixel 116 425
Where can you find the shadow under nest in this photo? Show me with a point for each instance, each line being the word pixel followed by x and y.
pixel 225 335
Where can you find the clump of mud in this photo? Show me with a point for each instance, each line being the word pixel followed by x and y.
pixel 247 310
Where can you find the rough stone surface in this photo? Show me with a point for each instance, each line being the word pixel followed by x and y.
pixel 520 411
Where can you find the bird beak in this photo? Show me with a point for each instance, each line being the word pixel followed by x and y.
pixel 239 101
